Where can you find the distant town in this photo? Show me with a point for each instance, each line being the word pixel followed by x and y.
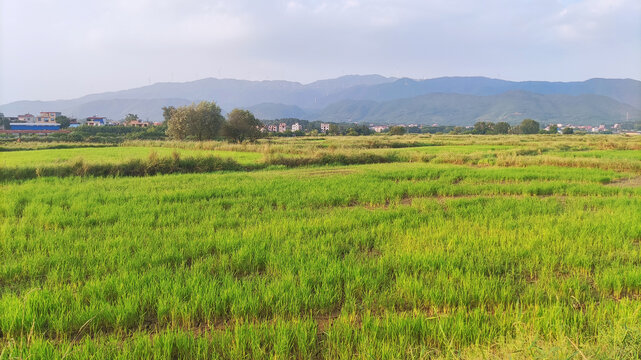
pixel 52 122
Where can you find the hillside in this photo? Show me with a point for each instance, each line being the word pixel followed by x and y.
pixel 456 109
pixel 335 98
pixel 623 90
pixel 270 111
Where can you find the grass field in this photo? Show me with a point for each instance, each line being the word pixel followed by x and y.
pixel 491 247
pixel 109 155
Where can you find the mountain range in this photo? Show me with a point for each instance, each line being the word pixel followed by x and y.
pixel 373 99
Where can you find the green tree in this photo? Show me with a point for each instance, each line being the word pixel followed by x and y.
pixel 482 127
pixel 502 127
pixel 202 121
pixel 63 121
pixel 241 125
pixel 553 129
pixel 567 131
pixel 130 118
pixel 457 130
pixel 5 122
pixel 397 130
pixel 334 129
pixel 529 126
pixel 167 112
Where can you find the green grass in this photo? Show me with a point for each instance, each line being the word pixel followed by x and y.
pixel 603 154
pixel 109 155
pixel 390 260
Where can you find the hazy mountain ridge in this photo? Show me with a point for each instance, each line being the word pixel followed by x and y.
pixel 624 90
pixel 459 109
pixel 367 98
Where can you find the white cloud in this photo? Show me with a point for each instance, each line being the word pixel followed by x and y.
pixel 92 46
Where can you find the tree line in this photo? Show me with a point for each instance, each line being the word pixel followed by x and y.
pixel 204 121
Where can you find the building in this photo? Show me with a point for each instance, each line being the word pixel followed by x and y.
pixel 48 116
pixel 137 123
pixel 35 126
pixel 379 128
pixel 96 121
pixel 324 127
pixel 26 118
pixel 297 127
pixel 272 128
pixel 282 127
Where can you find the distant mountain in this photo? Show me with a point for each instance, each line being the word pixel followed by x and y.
pixel 328 87
pixel 270 111
pixel 228 94
pixel 352 95
pixel 457 109
pixel 624 90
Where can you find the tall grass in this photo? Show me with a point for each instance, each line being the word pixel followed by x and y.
pixel 477 250
pixel 332 262
pixel 153 165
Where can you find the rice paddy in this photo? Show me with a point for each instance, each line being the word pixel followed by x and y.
pixel 378 247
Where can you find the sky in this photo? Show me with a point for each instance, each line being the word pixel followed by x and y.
pixel 61 49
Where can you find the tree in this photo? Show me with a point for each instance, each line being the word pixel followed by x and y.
pixel 201 121
pixel 502 127
pixel 397 130
pixel 130 118
pixel 6 123
pixel 553 129
pixel 457 130
pixel 167 112
pixel 63 121
pixel 482 127
pixel 529 126
pixel 242 125
pixel 567 131
pixel 334 129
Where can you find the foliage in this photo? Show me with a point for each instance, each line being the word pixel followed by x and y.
pixel 397 130
pixel 64 121
pixel 553 129
pixel 567 130
pixel 527 126
pixel 131 118
pixel 201 121
pixel 482 127
pixel 6 123
pixel 502 127
pixel 241 125
pixel 167 112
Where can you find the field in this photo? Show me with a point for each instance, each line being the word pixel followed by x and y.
pixel 489 247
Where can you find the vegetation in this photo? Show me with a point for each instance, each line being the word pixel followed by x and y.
pixel 397 130
pixel 131 118
pixel 241 125
pixel 387 247
pixel 64 121
pixel 528 126
pixel 201 121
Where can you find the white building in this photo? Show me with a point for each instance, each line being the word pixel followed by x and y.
pixel 297 127
pixel 324 127
pixel 379 128
pixel 282 127
pixel 27 118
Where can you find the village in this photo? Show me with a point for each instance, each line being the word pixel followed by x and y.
pixel 52 121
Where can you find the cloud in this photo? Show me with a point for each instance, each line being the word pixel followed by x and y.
pixel 66 48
